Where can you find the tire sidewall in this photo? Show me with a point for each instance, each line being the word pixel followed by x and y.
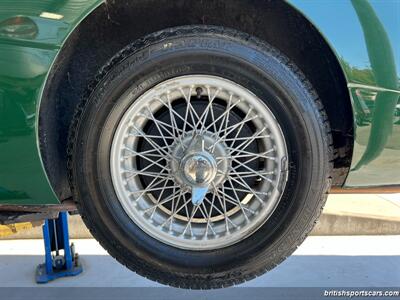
pixel 252 64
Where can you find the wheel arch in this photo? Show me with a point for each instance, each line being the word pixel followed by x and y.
pixel 112 25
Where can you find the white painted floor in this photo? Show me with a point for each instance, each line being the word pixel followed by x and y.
pixel 350 261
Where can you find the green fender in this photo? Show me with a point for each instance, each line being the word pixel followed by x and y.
pixel 33 32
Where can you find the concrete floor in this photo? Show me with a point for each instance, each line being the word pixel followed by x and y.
pixel 346 261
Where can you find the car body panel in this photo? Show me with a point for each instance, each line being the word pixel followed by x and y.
pixel 31 35
pixel 365 37
pixel 33 32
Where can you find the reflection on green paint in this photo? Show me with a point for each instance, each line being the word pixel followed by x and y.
pixel 31 34
pixel 30 41
pixel 384 71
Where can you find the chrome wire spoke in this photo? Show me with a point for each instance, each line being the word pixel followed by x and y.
pixel 159 199
pixel 174 123
pixel 236 201
pixel 175 210
pixel 168 199
pixel 242 125
pixel 167 127
pixel 233 201
pixel 249 189
pixel 144 172
pixel 187 98
pixel 244 152
pixel 207 216
pixel 154 136
pixel 232 128
pixel 153 163
pixel 257 173
pixel 134 173
pixel 212 204
pixel 204 115
pixel 250 174
pixel 227 132
pixel 192 112
pixel 187 171
pixel 262 155
pixel 221 116
pixel 208 108
pixel 181 207
pixel 147 152
pixel 213 121
pixel 237 198
pixel 246 143
pixel 153 144
pixel 190 109
pixel 152 189
pixel 222 201
pixel 175 114
pixel 246 138
pixel 225 121
pixel 189 223
pixel 208 213
pixel 233 171
pixel 159 129
pixel 242 165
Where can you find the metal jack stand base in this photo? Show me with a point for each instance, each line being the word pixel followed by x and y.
pixel 56 239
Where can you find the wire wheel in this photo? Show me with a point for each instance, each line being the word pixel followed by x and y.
pixel 199 162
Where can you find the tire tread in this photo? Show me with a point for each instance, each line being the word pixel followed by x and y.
pixel 196 281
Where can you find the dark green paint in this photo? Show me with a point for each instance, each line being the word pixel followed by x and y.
pixel 22 73
pixel 365 35
pixel 29 45
pixel 384 70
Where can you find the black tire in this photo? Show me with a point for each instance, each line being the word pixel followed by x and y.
pixel 247 61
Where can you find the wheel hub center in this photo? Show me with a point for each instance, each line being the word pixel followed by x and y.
pixel 195 165
pixel 201 164
pixel 199 168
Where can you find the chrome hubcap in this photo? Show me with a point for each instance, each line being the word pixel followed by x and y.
pixel 196 169
pixel 199 169
pixel 198 162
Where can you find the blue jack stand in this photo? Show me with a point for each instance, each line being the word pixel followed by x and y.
pixel 56 239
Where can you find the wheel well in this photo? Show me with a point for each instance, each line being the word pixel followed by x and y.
pixel 115 24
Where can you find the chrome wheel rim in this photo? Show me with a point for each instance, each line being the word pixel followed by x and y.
pixel 198 162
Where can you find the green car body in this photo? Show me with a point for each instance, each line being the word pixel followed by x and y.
pixel 363 35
